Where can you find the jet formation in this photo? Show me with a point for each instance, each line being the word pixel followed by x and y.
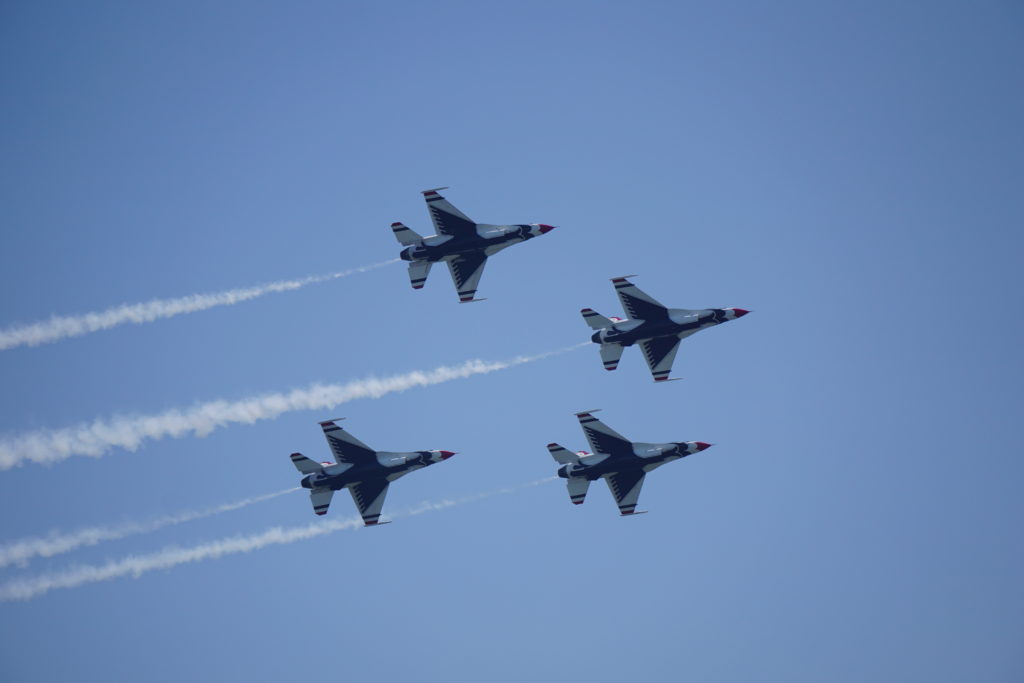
pixel 366 473
pixel 460 242
pixel 622 463
pixel 465 246
pixel 656 328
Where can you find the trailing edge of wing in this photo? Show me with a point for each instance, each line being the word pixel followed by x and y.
pixel 625 487
pixel 369 499
pixel 602 438
pixel 637 303
pixel 660 353
pixel 466 270
pixel 447 219
pixel 345 447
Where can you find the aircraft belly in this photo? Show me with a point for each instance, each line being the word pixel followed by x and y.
pixel 654 465
pixel 612 466
pixel 348 478
pixel 656 331
pixel 399 472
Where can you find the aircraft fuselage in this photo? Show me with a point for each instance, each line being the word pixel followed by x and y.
pixel 644 457
pixel 489 239
pixel 678 323
pixel 389 465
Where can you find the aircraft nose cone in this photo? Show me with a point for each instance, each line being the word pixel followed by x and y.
pixel 446 454
pixel 739 312
pixel 701 445
pixel 545 228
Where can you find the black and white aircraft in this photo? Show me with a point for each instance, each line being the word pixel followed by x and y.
pixel 461 243
pixel 621 462
pixel 657 329
pixel 366 473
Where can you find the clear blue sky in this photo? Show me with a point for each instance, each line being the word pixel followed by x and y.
pixel 852 175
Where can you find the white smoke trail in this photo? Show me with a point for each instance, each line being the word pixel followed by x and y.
pixel 64 326
pixel 137 565
pixel 21 551
pixel 129 432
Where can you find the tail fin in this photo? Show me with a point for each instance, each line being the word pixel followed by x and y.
pixel 561 455
pixel 610 355
pixel 405 235
pixel 305 465
pixel 595 319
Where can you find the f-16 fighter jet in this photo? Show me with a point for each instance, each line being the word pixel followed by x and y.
pixel 657 329
pixel 622 463
pixel 461 243
pixel 366 473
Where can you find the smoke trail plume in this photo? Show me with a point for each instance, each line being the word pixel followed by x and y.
pixel 21 551
pixel 64 326
pixel 137 565
pixel 129 432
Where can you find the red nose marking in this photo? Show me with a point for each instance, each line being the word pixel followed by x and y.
pixel 739 312
pixel 545 228
pixel 701 445
pixel 446 454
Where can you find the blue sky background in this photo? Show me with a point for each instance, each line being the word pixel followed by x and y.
pixel 851 174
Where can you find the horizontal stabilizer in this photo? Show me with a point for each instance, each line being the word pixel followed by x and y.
pixel 321 500
pixel 405 235
pixel 561 455
pixel 595 319
pixel 610 355
pixel 305 465
pixel 418 272
pixel 578 490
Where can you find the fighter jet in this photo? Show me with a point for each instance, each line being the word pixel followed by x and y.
pixel 366 473
pixel 657 329
pixel 622 463
pixel 460 242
